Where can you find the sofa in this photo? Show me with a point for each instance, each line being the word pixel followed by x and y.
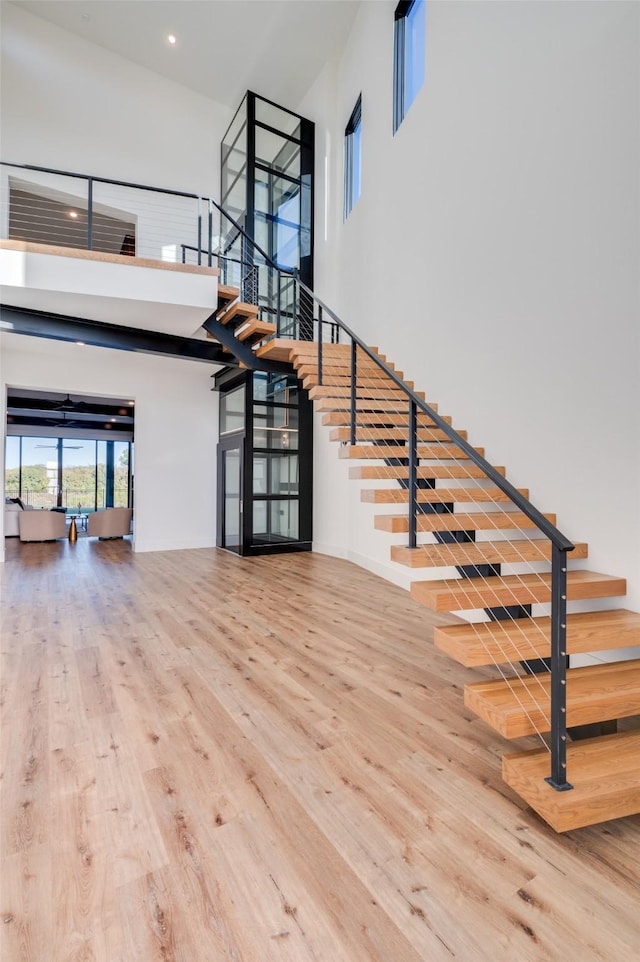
pixel 11 513
pixel 12 509
pixel 110 523
pixel 41 525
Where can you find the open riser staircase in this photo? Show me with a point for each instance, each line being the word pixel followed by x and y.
pixel 469 526
pixel 485 552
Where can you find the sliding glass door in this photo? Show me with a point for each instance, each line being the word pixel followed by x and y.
pixel 230 499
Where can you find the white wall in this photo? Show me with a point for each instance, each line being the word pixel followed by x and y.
pixel 493 254
pixel 72 105
pixel 176 428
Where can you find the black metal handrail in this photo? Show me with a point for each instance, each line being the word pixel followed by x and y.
pixel 91 179
pixel 325 316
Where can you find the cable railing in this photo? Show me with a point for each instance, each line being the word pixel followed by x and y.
pixel 376 413
pixel 300 315
pixel 58 208
pixel 368 376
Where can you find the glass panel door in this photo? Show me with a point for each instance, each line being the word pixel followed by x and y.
pixel 40 472
pixel 78 475
pixel 231 480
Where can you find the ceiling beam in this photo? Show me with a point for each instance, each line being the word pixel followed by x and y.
pixel 59 327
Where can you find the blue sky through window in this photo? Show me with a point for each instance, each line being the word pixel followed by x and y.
pixel 356 171
pixel 415 34
pixel 353 158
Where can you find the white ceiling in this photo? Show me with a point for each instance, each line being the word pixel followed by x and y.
pixel 224 47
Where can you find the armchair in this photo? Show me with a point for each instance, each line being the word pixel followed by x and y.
pixel 41 525
pixel 110 523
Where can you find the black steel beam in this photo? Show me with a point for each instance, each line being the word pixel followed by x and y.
pixel 60 327
pixel 242 351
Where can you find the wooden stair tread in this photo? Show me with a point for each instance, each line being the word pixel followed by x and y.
pixel 371 472
pixel 531 588
pixel 520 706
pixel 436 495
pixel 390 434
pixel 340 368
pixel 366 381
pixel 371 405
pixel 491 642
pixel 604 772
pixel 381 419
pixel 390 393
pixel 338 357
pixel 278 349
pixel 310 349
pixel 226 294
pixel 335 372
pixel 443 450
pixel 255 330
pixel 451 521
pixel 478 552
pixel 238 310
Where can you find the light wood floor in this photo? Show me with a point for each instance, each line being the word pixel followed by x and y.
pixel 208 759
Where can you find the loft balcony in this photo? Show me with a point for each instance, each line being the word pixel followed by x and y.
pixel 106 252
pixel 108 288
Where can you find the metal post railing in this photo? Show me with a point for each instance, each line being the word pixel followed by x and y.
pixel 210 234
pixel 199 231
pixel 558 778
pixel 90 213
pixel 413 473
pixel 279 304
pixel 354 389
pixel 320 323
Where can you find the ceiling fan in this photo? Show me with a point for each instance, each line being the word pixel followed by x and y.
pixel 69 405
pixel 61 419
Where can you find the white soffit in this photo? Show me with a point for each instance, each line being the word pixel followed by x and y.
pixel 152 299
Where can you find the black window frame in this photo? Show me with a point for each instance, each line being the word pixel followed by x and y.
pixel 355 122
pixel 400 107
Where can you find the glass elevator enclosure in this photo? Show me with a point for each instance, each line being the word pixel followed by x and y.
pixel 265 463
pixel 267 187
pixel 265 451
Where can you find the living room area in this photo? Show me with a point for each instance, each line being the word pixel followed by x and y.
pixel 68 465
pixel 176 421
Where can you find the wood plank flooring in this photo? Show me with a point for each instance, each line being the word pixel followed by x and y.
pixel 210 759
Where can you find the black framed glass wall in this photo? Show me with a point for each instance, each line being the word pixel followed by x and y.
pixel 276 440
pixel 267 164
pixel 82 474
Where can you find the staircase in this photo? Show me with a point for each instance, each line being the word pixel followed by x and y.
pixel 460 514
pixel 502 565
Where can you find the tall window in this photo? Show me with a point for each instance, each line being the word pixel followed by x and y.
pixel 74 473
pixel 352 157
pixel 409 54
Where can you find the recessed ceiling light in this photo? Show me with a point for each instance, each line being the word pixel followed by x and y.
pixel 171 39
pixel 73 214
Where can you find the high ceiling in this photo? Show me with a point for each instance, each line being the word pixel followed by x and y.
pixel 223 47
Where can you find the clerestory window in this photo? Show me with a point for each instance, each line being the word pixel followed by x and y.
pixel 353 157
pixel 409 56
